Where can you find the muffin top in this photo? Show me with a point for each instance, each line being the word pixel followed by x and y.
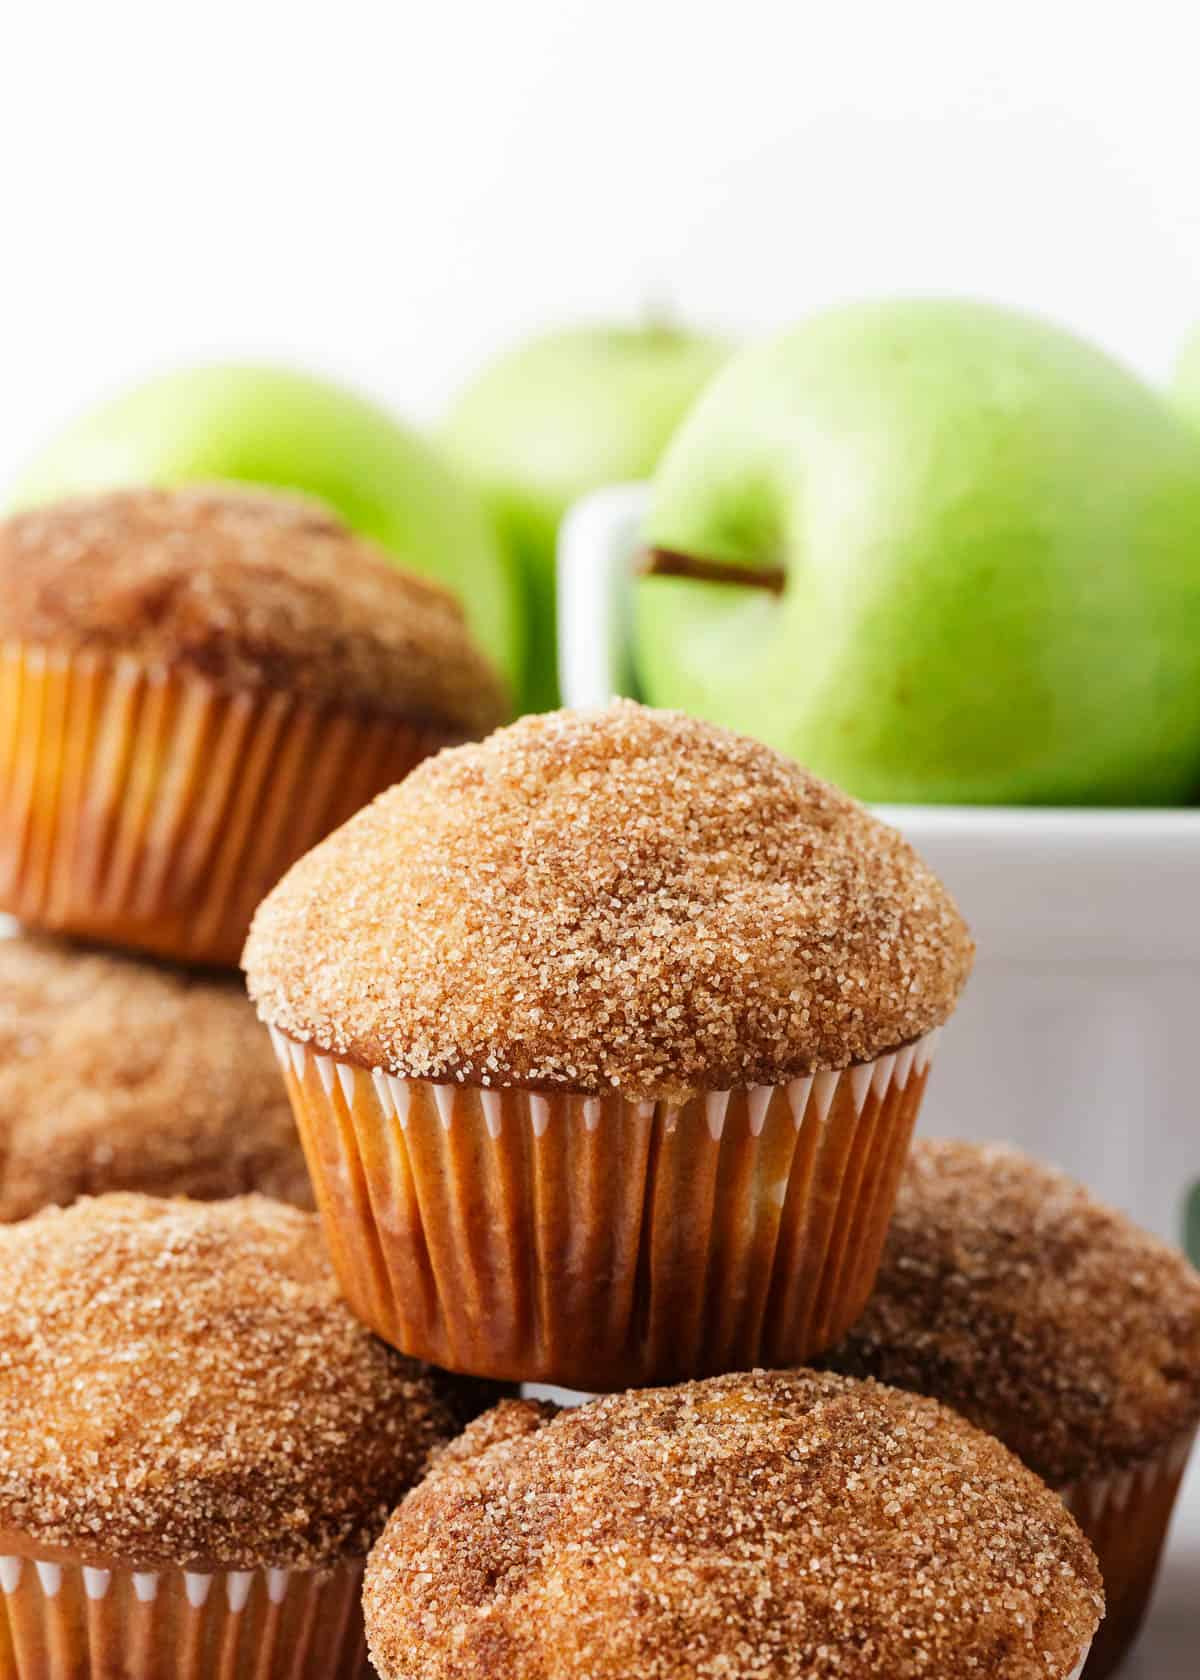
pixel 117 1074
pixel 784 1524
pixel 181 1383
pixel 249 588
pixel 1046 1318
pixel 622 900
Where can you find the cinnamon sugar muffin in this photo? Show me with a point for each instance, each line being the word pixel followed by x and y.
pixel 1058 1326
pixel 119 1074
pixel 195 686
pixel 198 1444
pixel 606 1038
pixel 788 1524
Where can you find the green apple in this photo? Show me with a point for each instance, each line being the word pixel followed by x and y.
pixel 1187 378
pixel 275 426
pixel 938 551
pixel 565 413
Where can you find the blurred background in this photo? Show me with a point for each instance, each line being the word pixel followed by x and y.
pixel 390 193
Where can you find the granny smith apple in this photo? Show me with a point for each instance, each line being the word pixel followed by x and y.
pixel 1187 378
pixel 276 426
pixel 563 414
pixel 938 551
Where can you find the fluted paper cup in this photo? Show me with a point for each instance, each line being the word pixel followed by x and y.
pixel 1126 1517
pixel 148 807
pixel 62 1620
pixel 598 1243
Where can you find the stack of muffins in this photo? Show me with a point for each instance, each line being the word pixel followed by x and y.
pixel 195 686
pixel 606 1039
pixel 198 1442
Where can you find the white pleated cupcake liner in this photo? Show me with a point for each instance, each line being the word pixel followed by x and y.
pixel 67 1621
pixel 1126 1517
pixel 599 1243
pixel 1097 1497
pixel 811 1092
pixel 152 808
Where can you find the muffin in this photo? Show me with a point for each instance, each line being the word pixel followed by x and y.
pixel 195 686
pixel 1058 1326
pixel 119 1074
pixel 606 1038
pixel 787 1524
pixel 198 1444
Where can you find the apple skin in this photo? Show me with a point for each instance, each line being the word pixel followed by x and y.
pixel 275 426
pixel 560 415
pixel 991 539
pixel 1187 378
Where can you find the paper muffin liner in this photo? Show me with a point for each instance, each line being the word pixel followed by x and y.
pixel 1126 1517
pixel 598 1243
pixel 148 807
pixel 1077 1672
pixel 64 1621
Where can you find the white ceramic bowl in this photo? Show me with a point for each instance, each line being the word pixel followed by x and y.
pixel 1079 1036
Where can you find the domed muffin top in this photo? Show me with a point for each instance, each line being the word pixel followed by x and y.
pixel 1046 1318
pixel 119 1074
pixel 181 1383
pixel 624 900
pixel 786 1524
pixel 247 587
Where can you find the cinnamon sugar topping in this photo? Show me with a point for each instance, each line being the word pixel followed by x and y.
pixel 249 588
pixel 1050 1320
pixel 791 1525
pixel 117 1074
pixel 625 900
pixel 180 1383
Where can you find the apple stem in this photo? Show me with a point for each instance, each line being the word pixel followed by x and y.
pixel 663 562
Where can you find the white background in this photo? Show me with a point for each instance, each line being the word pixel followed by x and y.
pixel 390 191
